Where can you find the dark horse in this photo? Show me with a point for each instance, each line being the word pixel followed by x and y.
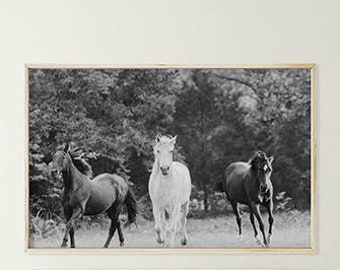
pixel 250 184
pixel 106 192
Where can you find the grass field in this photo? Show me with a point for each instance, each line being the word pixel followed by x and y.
pixel 291 229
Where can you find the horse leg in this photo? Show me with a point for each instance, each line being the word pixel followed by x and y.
pixel 112 230
pixel 171 227
pixel 238 218
pixel 70 225
pixel 252 221
pixel 68 215
pixel 71 233
pixel 256 210
pixel 269 207
pixel 158 228
pixel 120 234
pixel 119 226
pixel 183 221
pixel 113 214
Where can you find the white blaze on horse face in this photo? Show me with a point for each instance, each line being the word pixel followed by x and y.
pixel 265 179
pixel 262 176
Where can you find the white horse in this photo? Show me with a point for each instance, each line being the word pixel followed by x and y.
pixel 169 189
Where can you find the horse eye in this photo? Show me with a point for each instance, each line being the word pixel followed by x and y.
pixel 158 151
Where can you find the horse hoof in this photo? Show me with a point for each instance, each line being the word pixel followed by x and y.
pixel 122 244
pixel 240 237
pixel 63 245
pixel 159 240
pixel 258 242
pixel 265 245
pixel 184 242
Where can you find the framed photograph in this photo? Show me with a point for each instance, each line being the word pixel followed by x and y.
pixel 150 159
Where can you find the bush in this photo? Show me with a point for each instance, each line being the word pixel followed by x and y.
pixel 283 202
pixel 40 227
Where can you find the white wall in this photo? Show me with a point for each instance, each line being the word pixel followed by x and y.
pixel 170 32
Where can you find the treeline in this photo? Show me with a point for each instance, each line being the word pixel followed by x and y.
pixel 219 115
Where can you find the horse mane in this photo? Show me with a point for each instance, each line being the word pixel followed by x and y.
pixel 257 157
pixel 80 163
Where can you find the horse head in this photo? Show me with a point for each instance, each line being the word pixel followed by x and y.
pixel 262 168
pixel 163 151
pixel 60 159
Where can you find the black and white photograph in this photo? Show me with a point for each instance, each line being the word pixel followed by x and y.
pixel 170 157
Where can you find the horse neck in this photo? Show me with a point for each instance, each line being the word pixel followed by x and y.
pixel 72 177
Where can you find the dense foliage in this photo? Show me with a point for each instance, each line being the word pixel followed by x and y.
pixel 219 115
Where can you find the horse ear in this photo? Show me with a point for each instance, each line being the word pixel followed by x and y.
pixel 67 147
pixel 271 159
pixel 173 139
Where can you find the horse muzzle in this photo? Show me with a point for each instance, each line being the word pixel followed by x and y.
pixel 165 170
pixel 263 189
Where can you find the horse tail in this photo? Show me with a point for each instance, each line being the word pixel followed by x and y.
pixel 131 205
